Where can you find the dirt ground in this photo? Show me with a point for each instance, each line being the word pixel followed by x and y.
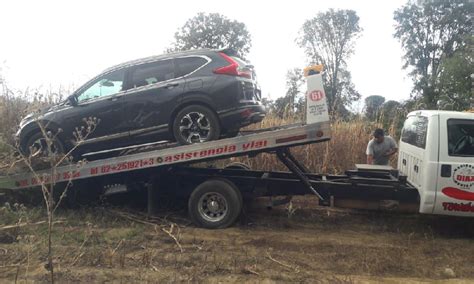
pixel 304 243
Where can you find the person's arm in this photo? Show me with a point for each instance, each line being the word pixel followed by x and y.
pixel 370 159
pixel 391 152
pixel 393 148
pixel 370 153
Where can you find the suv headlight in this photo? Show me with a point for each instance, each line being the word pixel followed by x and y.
pixel 26 120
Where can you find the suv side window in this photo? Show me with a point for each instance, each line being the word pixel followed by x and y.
pixel 414 131
pixel 106 85
pixel 151 73
pixel 461 137
pixel 186 65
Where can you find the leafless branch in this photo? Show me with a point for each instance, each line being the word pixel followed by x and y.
pixel 26 225
pixel 282 264
pixel 170 233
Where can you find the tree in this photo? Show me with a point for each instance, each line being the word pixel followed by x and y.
pixel 294 81
pixel 373 105
pixel 293 101
pixel 392 115
pixel 329 39
pixel 213 31
pixel 282 106
pixel 390 108
pixel 455 80
pixel 429 32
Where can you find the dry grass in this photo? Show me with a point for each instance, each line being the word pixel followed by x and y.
pixel 345 149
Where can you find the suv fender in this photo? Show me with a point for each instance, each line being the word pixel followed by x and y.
pixel 195 98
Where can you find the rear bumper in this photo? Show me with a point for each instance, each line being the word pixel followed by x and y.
pixel 242 116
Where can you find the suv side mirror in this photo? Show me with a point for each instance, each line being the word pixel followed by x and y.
pixel 72 100
pixel 107 83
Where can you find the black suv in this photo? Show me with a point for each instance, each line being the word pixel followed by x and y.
pixel 189 97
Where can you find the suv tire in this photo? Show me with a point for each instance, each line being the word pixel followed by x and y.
pixel 195 124
pixel 38 141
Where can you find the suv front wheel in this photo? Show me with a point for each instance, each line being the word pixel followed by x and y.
pixel 40 146
pixel 196 124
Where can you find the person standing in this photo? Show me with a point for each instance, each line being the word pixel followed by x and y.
pixel 380 148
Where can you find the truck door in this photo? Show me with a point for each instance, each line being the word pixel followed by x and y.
pixel 412 159
pixel 455 179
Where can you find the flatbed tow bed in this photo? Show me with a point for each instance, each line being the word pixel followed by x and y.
pixel 250 144
pixel 216 195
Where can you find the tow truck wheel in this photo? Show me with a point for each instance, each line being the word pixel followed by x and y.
pixel 215 204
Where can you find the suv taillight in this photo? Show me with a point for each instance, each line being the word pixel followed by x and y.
pixel 233 68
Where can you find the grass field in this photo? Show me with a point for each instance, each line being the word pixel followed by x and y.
pixel 306 244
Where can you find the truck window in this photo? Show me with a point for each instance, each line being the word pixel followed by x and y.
pixel 461 137
pixel 414 131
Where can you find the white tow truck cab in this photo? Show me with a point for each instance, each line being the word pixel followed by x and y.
pixel 437 156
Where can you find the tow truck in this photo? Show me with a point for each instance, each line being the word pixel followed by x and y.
pixel 435 172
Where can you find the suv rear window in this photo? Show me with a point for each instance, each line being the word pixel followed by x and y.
pixel 414 131
pixel 461 137
pixel 186 65
pixel 151 73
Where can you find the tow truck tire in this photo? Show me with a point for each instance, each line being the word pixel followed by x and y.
pixel 215 204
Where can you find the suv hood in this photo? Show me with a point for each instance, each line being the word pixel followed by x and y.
pixel 42 112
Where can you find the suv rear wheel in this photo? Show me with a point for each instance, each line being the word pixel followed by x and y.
pixel 196 124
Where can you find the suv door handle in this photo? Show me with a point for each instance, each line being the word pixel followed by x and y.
pixel 113 99
pixel 170 85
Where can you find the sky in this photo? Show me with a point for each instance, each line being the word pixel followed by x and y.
pixel 46 44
